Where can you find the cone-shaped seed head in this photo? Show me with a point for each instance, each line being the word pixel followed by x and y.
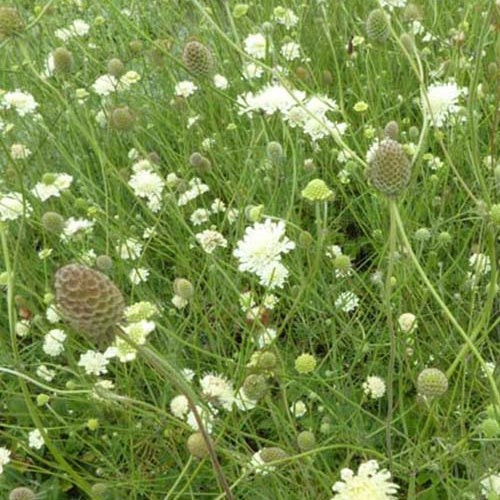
pixel 389 169
pixel 377 25
pixel 197 58
pixel 391 130
pixel 88 299
pixel 432 382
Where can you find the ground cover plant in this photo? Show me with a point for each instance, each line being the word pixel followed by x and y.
pixel 249 250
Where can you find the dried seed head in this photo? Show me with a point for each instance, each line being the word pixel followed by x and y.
pixel 432 382
pixel 10 22
pixel 22 493
pixel 63 60
pixel 306 441
pixel 88 299
pixel 122 119
pixel 197 445
pixel 389 169
pixel 115 67
pixel 377 26
pixel 53 222
pixel 255 387
pixel 197 58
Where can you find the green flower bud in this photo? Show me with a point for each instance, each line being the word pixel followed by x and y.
pixel 183 288
pixel 22 493
pixel 53 222
pixel 115 67
pixel 63 60
pixel 432 382
pixel 122 119
pixel 377 26
pixel 255 387
pixel 104 262
pixel 274 152
pixel 306 441
pixel 197 445
pixel 490 428
pixel 305 363
pixel 317 190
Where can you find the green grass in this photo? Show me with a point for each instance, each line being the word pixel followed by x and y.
pixel 435 450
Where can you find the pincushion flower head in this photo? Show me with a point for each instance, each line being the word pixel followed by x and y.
pixel 369 483
pixel 442 101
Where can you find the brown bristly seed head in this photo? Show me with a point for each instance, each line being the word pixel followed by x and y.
pixel 88 299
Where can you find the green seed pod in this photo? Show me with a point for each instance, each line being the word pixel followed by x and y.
pixel 305 239
pixel 302 74
pixel 183 288
pixel 432 382
pixel 274 152
pixel 305 363
pixel 306 441
pixel 195 159
pixel 391 130
pixel 342 263
pixel 104 262
pixel 53 222
pixel 10 22
pixel 22 493
pixel 377 26
pixel 267 361
pixel 88 299
pixel 444 238
pixel 389 169
pixel 317 190
pixel 327 78
pixel 197 445
pixel 122 119
pixel 115 67
pixel 197 58
pixel 136 46
pixel 413 133
pixel 63 60
pixel 255 387
pixel 272 454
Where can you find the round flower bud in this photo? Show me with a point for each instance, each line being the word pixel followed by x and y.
pixel 122 119
pixel 377 26
pixel 495 214
pixel 422 234
pixel 389 169
pixel 391 130
pixel 273 453
pixel 255 387
pixel 305 239
pixel 22 493
pixel 490 428
pixel 444 238
pixel 136 46
pixel 88 299
pixel 183 288
pixel 10 22
pixel 195 159
pixel 267 361
pixel 53 222
pixel 327 77
pixel 302 73
pixel 492 69
pixel 317 190
pixel 197 445
pixel 115 67
pixel 63 60
pixel 342 262
pixel 274 152
pixel 432 382
pixel 413 133
pixel 197 58
pixel 306 441
pixel 305 363
pixel 104 262
pixel 254 212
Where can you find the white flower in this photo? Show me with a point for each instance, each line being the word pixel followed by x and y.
pixel 188 374
pixel 407 322
pixel 130 250
pixel 179 406
pixel 218 390
pixel 46 373
pixel 74 227
pixel 105 85
pixel 199 216
pixel 12 206
pixel 221 82
pixel 391 4
pixel 480 263
pixel 179 302
pixel 53 342
pixel 138 275
pixel 442 101
pixel 258 465
pixel 210 240
pixel 77 28
pixel 290 51
pixel 489 368
pixel 255 45
pixel 273 275
pixel 272 98
pixel 491 485
pixel 140 310
pixel 138 332
pixel 369 483
pixel 298 409
pixel 185 88
pixel 217 206
pixel 147 184
pixel 252 70
pixel 374 387
pixel 94 362
pixel 129 78
pixel 285 16
pixel 4 457
pixel 58 183
pixel 22 328
pixel 347 301
pixel 196 188
pixel 22 102
pixel 52 315
pixel 206 418
pixel 35 439
pixel 19 152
